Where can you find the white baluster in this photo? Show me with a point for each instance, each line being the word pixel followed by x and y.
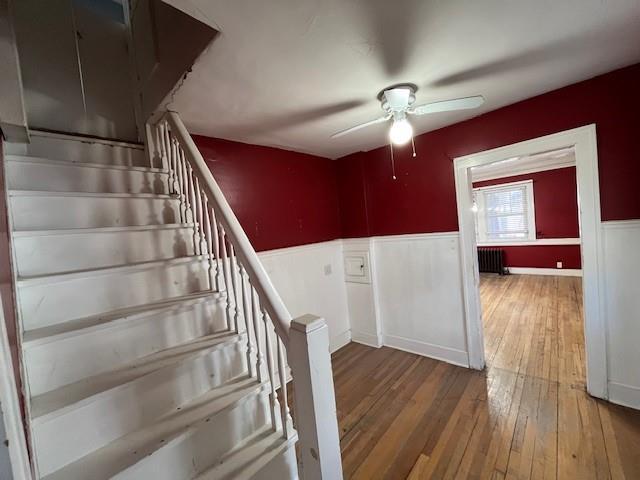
pixel 256 315
pixel 216 249
pixel 273 397
pixel 246 313
pixel 181 193
pixel 209 241
pixel 167 136
pixel 192 201
pixel 174 165
pixel 234 280
pixel 188 217
pixel 225 269
pixel 163 149
pixel 287 424
pixel 200 217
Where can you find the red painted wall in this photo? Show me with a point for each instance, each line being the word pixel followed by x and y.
pixel 556 203
pixel 542 256
pixel 281 198
pixel 555 196
pixel 422 199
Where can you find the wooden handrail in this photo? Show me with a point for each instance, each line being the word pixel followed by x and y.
pixel 272 302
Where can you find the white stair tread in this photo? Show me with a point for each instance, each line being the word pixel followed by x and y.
pixel 130 449
pixel 94 272
pixel 85 231
pixel 72 396
pixel 250 457
pixel 53 193
pixel 79 326
pixel 62 163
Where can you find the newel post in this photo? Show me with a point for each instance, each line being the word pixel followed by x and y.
pixel 315 400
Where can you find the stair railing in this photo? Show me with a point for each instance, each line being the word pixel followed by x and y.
pixel 253 306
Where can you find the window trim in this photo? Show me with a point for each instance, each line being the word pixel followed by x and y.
pixel 481 236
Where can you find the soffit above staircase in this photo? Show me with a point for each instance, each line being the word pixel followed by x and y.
pixel 289 73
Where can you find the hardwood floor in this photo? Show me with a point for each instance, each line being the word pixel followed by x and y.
pixel 526 416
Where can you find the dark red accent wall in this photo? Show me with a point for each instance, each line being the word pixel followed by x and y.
pixel 422 199
pixel 555 198
pixel 542 256
pixel 281 198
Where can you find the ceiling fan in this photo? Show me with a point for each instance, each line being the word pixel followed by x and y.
pixel 397 103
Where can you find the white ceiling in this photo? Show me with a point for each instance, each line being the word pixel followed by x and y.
pixel 539 162
pixel 289 73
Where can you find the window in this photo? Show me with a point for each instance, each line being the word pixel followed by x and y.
pixel 505 213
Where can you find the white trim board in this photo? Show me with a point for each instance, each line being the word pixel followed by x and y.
pixel 523 166
pixel 625 395
pixel 437 352
pixel 484 177
pixel 621 224
pixel 10 404
pixel 395 238
pixel 366 338
pixel 560 272
pixel 530 243
pixel 298 248
pixel 583 140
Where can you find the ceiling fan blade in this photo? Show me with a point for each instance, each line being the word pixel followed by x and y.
pixel 362 125
pixel 448 105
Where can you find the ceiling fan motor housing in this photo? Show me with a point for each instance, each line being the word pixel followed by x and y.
pixel 398 98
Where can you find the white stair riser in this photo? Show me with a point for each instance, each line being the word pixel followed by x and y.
pixel 23 175
pixel 43 212
pixel 45 254
pixel 43 304
pixel 129 407
pixel 83 151
pixel 204 447
pixel 283 465
pixel 55 364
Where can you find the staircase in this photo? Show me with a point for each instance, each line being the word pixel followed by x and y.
pixel 153 344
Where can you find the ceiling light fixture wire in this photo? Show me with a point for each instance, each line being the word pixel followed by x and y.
pixel 413 146
pixel 393 163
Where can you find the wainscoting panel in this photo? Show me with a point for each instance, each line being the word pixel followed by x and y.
pixel 622 303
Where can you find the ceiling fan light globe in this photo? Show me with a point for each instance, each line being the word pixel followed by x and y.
pixel 400 132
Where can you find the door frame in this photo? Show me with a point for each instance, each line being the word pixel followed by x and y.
pixel 584 141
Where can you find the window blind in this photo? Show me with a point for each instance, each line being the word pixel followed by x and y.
pixel 506 212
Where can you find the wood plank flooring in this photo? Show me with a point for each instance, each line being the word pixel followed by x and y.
pixel 526 416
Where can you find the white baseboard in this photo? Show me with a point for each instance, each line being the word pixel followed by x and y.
pixel 437 352
pixel 366 338
pixel 625 395
pixel 533 243
pixel 339 341
pixel 561 272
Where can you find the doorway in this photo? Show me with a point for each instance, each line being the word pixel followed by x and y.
pixel 582 142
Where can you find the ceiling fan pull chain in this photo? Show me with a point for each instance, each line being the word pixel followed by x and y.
pixel 393 163
pixel 413 146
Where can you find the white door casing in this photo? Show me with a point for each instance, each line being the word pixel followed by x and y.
pixel 583 139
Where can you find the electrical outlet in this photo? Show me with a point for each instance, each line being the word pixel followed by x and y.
pixel 327 269
pixel 558 264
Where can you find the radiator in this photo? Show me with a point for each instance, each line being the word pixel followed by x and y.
pixel 491 260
